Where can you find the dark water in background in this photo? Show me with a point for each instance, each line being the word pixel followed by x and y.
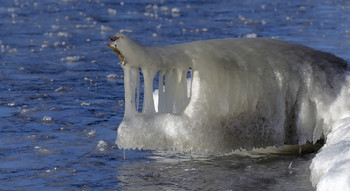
pixel 61 90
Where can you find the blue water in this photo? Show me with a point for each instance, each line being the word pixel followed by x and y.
pixel 61 90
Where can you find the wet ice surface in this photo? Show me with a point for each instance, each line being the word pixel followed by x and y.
pixel 62 96
pixel 232 172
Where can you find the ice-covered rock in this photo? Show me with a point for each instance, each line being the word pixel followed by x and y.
pixel 242 93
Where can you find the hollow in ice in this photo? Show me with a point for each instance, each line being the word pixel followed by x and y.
pixel 241 94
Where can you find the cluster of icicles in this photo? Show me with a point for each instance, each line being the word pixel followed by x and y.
pixel 172 96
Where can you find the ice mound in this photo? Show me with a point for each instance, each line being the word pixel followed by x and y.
pixel 241 94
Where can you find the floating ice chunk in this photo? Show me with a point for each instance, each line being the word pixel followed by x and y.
pixel 105 28
pixel 43 151
pixel 47 118
pixel 175 12
pixel 63 89
pixel 88 79
pixel 25 111
pixel 241 18
pixel 251 35
pixel 72 59
pixel 111 77
pixel 11 104
pixel 112 11
pixel 102 145
pixel 52 170
pixel 63 34
pixel 125 30
pixel 12 51
pixel 91 133
pixel 85 104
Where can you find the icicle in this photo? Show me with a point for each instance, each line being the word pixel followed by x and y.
pixel 170 84
pixel 189 84
pixel 134 76
pixel 137 90
pixel 184 87
pixel 148 103
pixel 129 103
pixel 161 92
pixel 181 91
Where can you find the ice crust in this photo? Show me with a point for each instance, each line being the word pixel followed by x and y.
pixel 242 94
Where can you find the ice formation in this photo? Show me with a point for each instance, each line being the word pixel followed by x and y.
pixel 241 93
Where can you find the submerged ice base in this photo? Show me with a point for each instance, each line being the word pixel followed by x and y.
pixel 242 94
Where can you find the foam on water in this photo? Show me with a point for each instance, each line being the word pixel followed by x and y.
pixel 243 94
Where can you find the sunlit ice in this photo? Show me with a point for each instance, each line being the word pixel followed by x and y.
pixel 216 96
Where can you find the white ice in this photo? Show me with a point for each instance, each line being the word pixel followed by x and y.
pixel 242 94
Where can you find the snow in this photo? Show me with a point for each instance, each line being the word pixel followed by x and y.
pixel 242 94
pixel 330 167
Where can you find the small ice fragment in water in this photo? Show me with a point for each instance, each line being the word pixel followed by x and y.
pixel 91 133
pixel 11 104
pixel 62 34
pixel 111 77
pixel 51 170
pixel 71 59
pixel 125 30
pixel 63 89
pixel 47 118
pixel 112 11
pixel 105 28
pixel 42 151
pixel 88 79
pixel 85 104
pixel 102 146
pixel 251 35
pixel 25 111
pixel 241 18
pixel 175 12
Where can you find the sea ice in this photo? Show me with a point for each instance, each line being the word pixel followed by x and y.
pixel 241 94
